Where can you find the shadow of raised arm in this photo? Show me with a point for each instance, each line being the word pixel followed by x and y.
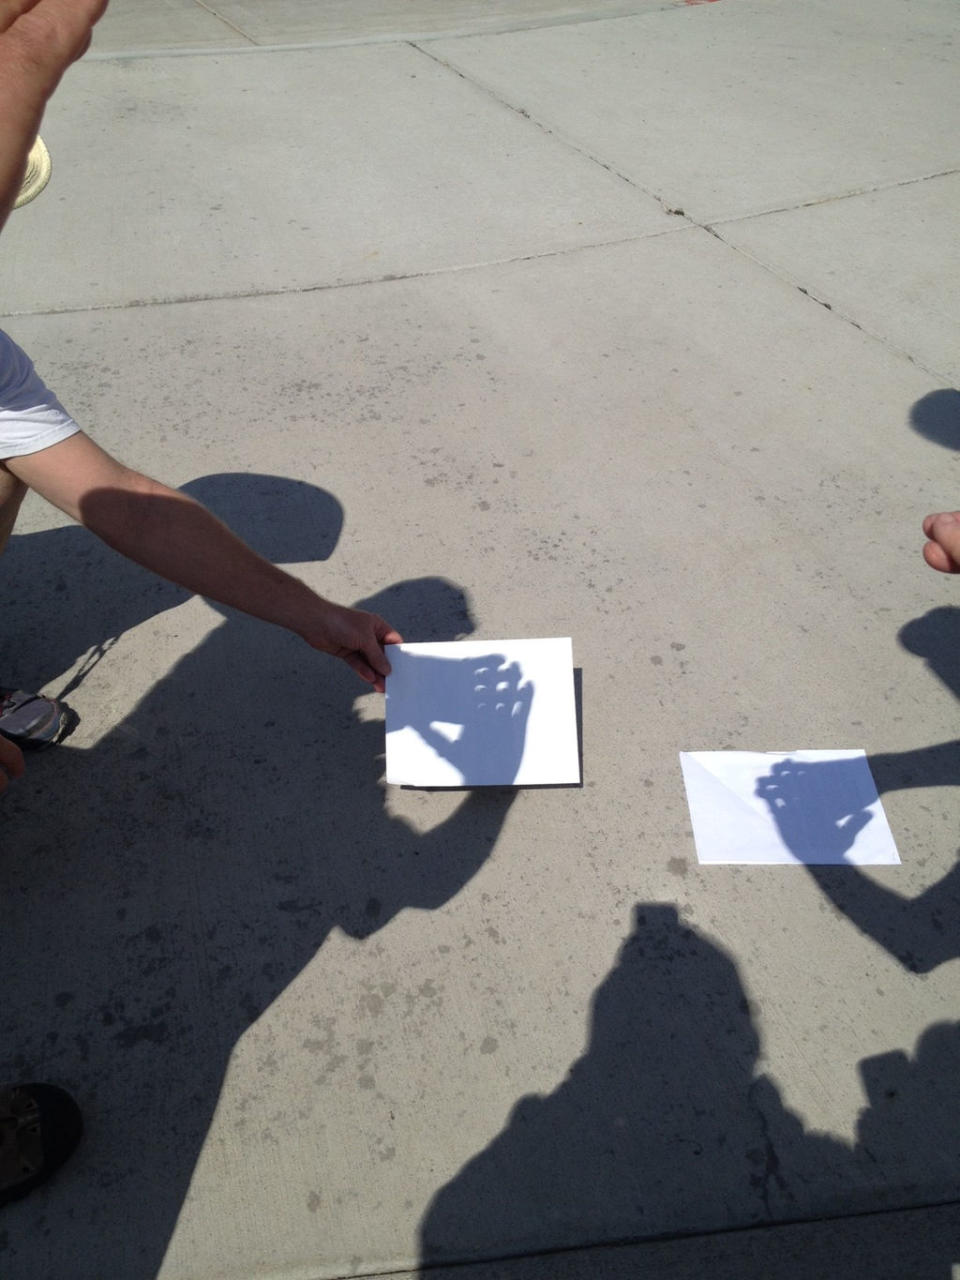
pixel 922 932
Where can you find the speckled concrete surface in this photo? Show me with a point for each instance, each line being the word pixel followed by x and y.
pixel 319 1028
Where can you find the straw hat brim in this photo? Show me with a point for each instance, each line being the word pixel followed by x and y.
pixel 37 175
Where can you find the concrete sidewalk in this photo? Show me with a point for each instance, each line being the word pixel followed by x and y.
pixel 634 323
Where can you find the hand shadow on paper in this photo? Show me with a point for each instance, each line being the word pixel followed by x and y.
pixel 922 932
pixel 472 713
pixel 819 808
pixel 162 888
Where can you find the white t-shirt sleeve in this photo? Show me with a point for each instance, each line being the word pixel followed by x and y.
pixel 31 417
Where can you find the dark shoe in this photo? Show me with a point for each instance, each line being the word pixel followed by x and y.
pixel 40 1126
pixel 32 721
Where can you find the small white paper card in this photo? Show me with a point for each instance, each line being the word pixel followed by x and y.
pixel 777 807
pixel 475 713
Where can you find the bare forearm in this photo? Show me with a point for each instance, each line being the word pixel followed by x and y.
pixel 175 537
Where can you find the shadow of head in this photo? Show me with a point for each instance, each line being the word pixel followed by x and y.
pixel 936 637
pixel 659 1108
pixel 937 417
pixel 75 594
pixel 424 609
pixel 285 521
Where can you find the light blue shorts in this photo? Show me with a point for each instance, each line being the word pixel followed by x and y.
pixel 31 417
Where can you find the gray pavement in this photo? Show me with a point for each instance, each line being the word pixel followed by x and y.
pixel 631 323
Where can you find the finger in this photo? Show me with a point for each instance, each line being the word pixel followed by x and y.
pixel 942 552
pixel 358 663
pixel 488 665
pixel 943 517
pixel 376 658
pixel 938 559
pixel 11 10
pixel 509 676
pixel 372 649
pixel 385 633
pixel 855 823
pixel 60 28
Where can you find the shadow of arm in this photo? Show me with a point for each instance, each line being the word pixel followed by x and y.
pixel 921 933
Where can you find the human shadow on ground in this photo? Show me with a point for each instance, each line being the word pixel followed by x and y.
pixel 937 417
pixel 666 1125
pixel 922 932
pixel 159 891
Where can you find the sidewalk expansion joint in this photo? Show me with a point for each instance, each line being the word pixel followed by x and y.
pixel 240 295
pixel 785 278
pixel 834 198
pixel 554 134
pixel 209 8
pixel 468 1265
pixel 711 226
pixel 391 37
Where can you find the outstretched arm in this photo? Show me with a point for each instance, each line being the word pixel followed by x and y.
pixel 38 41
pixel 177 538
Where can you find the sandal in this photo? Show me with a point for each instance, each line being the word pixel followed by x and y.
pixel 40 1125
pixel 34 722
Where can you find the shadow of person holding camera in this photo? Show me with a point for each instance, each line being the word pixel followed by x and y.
pixel 667 1125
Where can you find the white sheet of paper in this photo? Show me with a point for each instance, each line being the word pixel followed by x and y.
pixel 473 713
pixel 813 807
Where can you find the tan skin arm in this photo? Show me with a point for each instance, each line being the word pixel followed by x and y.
pixel 152 524
pixel 175 537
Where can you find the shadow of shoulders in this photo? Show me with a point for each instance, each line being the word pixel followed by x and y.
pixel 164 887
pixel 664 1127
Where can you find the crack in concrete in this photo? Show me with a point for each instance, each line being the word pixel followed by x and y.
pixel 711 225
pixel 785 278
pixel 553 133
pixel 833 198
pixel 471 1266
pixel 362 282
pixel 393 37
pixel 226 21
pixel 686 221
